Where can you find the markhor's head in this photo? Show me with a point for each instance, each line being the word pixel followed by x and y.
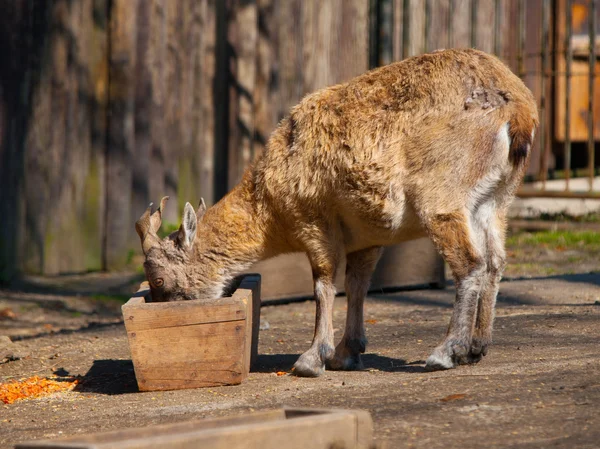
pixel 173 266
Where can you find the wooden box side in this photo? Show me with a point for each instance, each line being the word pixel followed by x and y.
pixel 139 315
pixel 251 283
pixel 171 358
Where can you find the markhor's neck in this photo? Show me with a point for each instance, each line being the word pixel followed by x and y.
pixel 232 234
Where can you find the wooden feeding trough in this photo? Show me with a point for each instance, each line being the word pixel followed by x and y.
pixel 192 344
pixel 275 429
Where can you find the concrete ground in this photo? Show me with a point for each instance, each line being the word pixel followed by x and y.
pixel 538 387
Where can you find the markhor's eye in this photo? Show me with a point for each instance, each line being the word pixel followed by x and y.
pixel 158 282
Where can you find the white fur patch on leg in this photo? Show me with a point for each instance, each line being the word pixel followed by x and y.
pixel 438 361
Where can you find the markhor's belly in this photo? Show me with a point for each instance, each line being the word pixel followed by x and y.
pixel 387 226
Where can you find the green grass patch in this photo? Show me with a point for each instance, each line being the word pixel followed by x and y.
pixel 556 239
pixel 111 298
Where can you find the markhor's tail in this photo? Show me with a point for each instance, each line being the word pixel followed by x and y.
pixel 522 128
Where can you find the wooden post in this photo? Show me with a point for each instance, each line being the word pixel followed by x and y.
pixel 205 139
pixel 121 134
pixel 264 110
pixel 242 38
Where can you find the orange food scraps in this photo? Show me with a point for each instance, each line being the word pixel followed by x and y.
pixel 34 387
pixel 281 373
pixel 454 397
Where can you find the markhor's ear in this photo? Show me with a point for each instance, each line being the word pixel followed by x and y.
pixel 188 228
pixel 201 209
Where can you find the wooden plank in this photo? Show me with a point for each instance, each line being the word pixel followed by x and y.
pixel 352 57
pixel 189 104
pixel 32 138
pixel 264 110
pixel 189 356
pixel 120 436
pixel 295 428
pixel 140 188
pixel 579 93
pixel 142 316
pixel 409 264
pixel 11 156
pixel 61 146
pixel 174 71
pixel 320 429
pixel 416 30
pixel 485 25
pixel 94 204
pixel 289 56
pixel 156 66
pixel 438 25
pixel 201 140
pixel 121 134
pixel 321 22
pixel 461 20
pixel 250 287
pixel 206 139
pixel 398 30
pixel 244 44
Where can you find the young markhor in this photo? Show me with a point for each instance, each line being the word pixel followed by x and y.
pixel 434 145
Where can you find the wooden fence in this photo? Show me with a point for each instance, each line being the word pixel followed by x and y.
pixel 106 105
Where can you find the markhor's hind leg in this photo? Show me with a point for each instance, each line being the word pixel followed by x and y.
pixel 359 269
pixel 453 236
pixel 495 258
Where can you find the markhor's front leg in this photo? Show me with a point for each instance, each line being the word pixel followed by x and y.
pixel 312 362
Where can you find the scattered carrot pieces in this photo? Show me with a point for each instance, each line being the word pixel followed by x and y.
pixel 453 397
pixel 371 321
pixel 281 373
pixel 33 387
pixel 7 313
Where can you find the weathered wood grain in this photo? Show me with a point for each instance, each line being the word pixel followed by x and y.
pixel 189 356
pixel 158 315
pixel 271 429
pixel 120 151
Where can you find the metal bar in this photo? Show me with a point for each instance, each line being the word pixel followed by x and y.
pixel 526 192
pixel 521 39
pixel 451 24
pixel 497 25
pixel 405 29
pixel 569 64
pixel 474 5
pixel 591 78
pixel 544 146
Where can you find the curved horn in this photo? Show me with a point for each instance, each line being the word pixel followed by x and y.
pixel 147 226
pixel 143 224
pixel 201 209
pixel 156 217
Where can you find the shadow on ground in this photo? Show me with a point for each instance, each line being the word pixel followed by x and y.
pixel 272 363
pixel 109 377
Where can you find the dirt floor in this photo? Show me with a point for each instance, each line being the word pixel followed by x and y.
pixel 539 386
